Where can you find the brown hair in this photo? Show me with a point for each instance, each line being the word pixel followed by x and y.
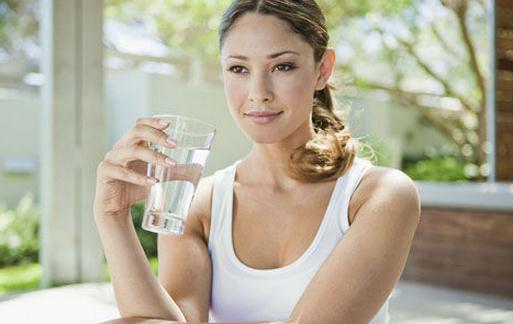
pixel 332 150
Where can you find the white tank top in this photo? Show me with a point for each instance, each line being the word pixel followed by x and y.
pixel 242 293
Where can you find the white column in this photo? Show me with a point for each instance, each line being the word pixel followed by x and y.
pixel 73 139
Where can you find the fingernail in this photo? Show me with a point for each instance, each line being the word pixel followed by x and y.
pixel 163 122
pixel 170 162
pixel 151 180
pixel 169 140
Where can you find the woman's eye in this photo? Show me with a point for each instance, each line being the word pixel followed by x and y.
pixel 284 67
pixel 236 69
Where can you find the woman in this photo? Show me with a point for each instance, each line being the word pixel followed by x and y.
pixel 299 230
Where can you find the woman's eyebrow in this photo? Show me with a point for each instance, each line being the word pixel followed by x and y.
pixel 271 56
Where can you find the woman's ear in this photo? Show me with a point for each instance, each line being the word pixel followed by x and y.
pixel 325 68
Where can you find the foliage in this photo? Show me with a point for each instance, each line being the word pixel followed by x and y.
pixel 439 169
pixel 20 278
pixel 28 276
pixel 19 246
pixel 148 239
pixel 19 233
pixel 378 151
pixel 421 53
pixel 426 57
pixel 189 25
pixel 19 23
pixel 193 25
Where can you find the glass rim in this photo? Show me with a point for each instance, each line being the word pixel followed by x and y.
pixel 170 116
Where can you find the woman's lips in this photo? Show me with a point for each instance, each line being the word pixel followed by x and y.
pixel 261 118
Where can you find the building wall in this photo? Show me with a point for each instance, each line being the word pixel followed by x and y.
pixel 463 248
pixel 397 128
pixel 131 94
pixel 205 102
pixel 504 89
pixel 19 146
pixel 126 98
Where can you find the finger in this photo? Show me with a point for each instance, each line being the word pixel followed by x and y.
pixel 108 171
pixel 141 133
pixel 138 152
pixel 155 122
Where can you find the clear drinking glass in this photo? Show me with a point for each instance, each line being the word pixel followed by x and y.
pixel 169 200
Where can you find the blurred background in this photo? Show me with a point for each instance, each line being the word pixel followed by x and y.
pixel 427 83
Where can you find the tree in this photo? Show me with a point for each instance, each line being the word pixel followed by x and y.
pixel 427 48
pixel 428 54
pixel 193 25
pixel 432 64
pixel 18 24
pixel 19 46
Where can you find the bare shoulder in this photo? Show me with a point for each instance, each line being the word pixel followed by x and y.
pixel 201 205
pixel 385 186
pixel 387 181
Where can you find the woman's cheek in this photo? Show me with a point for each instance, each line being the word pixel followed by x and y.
pixel 234 92
pixel 296 89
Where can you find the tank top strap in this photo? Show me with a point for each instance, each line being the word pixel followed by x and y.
pixel 222 187
pixel 349 183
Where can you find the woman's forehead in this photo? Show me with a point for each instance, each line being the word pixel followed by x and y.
pixel 261 35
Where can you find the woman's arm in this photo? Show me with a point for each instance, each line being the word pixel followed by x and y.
pixel 121 181
pixel 359 275
pixel 182 291
pixel 137 290
pixel 184 262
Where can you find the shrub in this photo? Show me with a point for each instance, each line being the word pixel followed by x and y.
pixel 20 278
pixel 148 239
pixel 19 233
pixel 438 169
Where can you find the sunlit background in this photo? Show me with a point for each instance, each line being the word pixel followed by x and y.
pixel 417 77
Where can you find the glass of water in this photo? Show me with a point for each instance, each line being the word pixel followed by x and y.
pixel 169 200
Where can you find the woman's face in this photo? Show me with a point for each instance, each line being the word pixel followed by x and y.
pixel 269 68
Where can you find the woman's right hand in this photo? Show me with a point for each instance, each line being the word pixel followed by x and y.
pixel 121 176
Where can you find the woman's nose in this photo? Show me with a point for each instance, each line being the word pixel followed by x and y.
pixel 260 90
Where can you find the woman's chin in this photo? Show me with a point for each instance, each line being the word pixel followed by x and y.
pixel 263 137
pixel 263 141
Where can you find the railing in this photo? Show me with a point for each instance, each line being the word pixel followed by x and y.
pixel 484 196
